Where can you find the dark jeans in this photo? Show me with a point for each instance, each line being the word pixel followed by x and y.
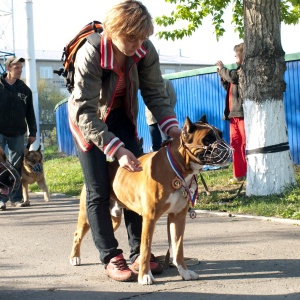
pixel 155 137
pixel 16 153
pixel 96 177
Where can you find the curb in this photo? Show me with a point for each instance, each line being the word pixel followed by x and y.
pixel 232 215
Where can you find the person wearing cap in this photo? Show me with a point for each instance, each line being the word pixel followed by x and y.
pixel 16 115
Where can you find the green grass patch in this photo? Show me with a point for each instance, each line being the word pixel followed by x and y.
pixel 63 173
pixel 226 197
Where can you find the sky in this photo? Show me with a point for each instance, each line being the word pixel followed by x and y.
pixel 57 21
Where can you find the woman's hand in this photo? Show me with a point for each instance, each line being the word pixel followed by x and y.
pixel 174 132
pixel 127 160
pixel 220 65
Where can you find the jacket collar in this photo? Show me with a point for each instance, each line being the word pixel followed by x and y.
pixel 107 55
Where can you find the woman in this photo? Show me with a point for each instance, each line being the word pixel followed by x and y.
pixel 103 112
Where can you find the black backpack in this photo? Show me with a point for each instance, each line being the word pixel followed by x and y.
pixel 90 32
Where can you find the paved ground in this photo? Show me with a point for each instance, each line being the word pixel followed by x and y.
pixel 239 258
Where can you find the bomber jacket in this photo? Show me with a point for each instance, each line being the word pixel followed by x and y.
pixel 95 83
pixel 172 96
pixel 16 109
pixel 231 77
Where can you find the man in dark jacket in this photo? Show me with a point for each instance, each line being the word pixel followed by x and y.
pixel 235 114
pixel 16 114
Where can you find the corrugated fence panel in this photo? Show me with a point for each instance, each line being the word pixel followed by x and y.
pixel 292 107
pixel 197 95
pixel 63 134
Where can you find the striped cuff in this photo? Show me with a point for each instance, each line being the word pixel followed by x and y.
pixel 112 147
pixel 167 123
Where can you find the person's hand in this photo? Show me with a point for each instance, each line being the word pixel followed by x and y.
pixel 220 65
pixel 174 132
pixel 31 140
pixel 127 160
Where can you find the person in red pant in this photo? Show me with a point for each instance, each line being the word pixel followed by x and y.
pixel 235 114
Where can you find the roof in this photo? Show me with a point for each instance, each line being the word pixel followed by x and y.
pixel 164 59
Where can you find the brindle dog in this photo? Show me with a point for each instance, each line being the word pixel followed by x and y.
pixel 33 171
pixel 9 177
pixel 166 185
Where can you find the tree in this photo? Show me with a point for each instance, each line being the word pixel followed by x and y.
pixel 49 96
pixel 270 167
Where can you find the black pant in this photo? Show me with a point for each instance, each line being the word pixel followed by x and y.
pixel 155 137
pixel 95 171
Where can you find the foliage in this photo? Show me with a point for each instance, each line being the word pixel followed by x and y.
pixel 49 96
pixel 193 12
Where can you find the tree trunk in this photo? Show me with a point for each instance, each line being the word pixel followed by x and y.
pixel 270 167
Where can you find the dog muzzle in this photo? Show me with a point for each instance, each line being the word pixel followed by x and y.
pixel 9 179
pixel 218 153
pixel 37 168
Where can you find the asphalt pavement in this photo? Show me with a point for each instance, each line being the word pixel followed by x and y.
pixel 237 257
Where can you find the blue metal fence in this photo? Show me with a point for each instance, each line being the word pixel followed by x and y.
pixel 200 92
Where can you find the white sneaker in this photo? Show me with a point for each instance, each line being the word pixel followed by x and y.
pixel 2 205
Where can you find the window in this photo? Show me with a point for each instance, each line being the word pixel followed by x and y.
pixel 46 72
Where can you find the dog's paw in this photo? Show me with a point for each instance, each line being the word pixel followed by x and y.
pixel 187 274
pixel 146 279
pixel 75 261
pixel 46 197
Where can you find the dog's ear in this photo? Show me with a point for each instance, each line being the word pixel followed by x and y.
pixel 203 119
pixel 188 127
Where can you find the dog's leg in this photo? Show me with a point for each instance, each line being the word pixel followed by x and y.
pixel 116 213
pixel 145 275
pixel 177 227
pixel 116 221
pixel 43 186
pixel 82 228
pixel 25 191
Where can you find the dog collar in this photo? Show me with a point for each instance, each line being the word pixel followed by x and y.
pixel 191 192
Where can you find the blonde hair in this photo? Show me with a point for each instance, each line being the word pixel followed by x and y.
pixel 239 48
pixel 128 19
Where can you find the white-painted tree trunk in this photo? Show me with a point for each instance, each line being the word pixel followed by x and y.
pixel 265 125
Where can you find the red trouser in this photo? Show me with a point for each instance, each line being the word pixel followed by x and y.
pixel 238 143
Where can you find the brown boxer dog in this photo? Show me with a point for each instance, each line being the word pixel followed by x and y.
pixel 166 185
pixel 33 171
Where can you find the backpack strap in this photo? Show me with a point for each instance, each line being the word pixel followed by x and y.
pixel 94 39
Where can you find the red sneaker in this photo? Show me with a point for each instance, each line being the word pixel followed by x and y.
pixel 118 269
pixel 155 266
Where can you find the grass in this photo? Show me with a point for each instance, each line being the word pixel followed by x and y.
pixel 225 197
pixel 64 175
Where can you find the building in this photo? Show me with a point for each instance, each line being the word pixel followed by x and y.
pixel 48 61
